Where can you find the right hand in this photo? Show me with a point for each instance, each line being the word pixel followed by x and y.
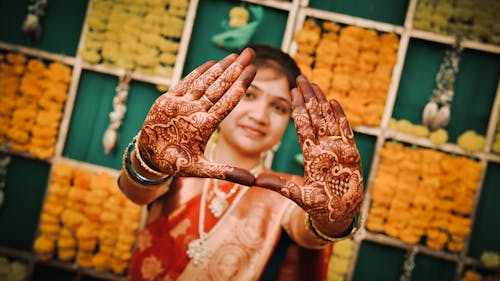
pixel 180 122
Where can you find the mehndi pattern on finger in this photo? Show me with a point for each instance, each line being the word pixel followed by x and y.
pixel 350 63
pixel 181 121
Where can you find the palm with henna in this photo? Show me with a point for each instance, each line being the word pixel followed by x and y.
pixel 181 121
pixel 332 192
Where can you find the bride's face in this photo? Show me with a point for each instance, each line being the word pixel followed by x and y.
pixel 259 120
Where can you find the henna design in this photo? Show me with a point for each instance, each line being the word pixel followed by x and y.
pixel 180 122
pixel 333 187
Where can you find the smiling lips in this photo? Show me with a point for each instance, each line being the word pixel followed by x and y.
pixel 252 131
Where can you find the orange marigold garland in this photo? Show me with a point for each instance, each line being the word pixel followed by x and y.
pixel 86 219
pixel 11 69
pixel 418 196
pixel 34 94
pixel 351 64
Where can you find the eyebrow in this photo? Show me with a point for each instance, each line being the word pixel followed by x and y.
pixel 267 93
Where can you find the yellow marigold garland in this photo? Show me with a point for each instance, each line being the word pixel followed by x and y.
pixel 85 218
pixel 137 35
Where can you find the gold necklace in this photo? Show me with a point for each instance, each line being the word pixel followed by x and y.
pixel 197 250
pixel 220 202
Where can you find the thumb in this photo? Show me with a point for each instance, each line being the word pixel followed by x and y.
pixel 285 187
pixel 271 181
pixel 206 169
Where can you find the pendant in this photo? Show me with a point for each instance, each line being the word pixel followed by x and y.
pixel 218 205
pixel 197 251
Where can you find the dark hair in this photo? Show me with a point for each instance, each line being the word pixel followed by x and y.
pixel 277 59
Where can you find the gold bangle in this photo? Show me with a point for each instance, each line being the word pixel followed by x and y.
pixel 140 185
pixel 320 235
pixel 143 163
pixel 132 173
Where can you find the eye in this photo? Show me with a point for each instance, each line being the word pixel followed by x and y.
pixel 281 107
pixel 250 96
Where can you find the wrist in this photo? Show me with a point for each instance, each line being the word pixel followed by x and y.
pixel 330 237
pixel 136 171
pixel 135 160
pixel 145 162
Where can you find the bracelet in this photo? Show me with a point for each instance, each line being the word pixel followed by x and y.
pixel 142 162
pixel 318 234
pixel 129 168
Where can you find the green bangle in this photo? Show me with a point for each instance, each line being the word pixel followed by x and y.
pixel 348 233
pixel 127 164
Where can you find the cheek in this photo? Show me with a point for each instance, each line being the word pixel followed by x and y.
pixel 231 118
pixel 226 123
pixel 279 126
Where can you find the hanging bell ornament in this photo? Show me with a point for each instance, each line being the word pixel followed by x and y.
pixel 442 118
pixel 429 113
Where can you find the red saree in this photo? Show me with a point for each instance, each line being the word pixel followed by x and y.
pixel 240 246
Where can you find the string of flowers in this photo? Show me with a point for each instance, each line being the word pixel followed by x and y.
pixel 436 112
pixel 4 163
pixel 32 26
pixel 409 265
pixel 116 116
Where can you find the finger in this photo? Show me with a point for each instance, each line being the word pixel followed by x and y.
pixel 301 118
pixel 270 181
pixel 341 120
pixel 230 75
pixel 306 88
pixel 202 83
pixel 207 169
pixel 281 185
pixel 229 100
pixel 314 108
pixel 318 93
pixel 329 121
pixel 182 87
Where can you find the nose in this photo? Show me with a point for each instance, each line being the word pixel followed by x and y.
pixel 260 113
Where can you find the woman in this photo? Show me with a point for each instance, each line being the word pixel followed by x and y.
pixel 205 222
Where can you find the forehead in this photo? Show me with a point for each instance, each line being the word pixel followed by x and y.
pixel 271 82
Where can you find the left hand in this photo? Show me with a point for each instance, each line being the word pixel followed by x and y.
pixel 333 189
